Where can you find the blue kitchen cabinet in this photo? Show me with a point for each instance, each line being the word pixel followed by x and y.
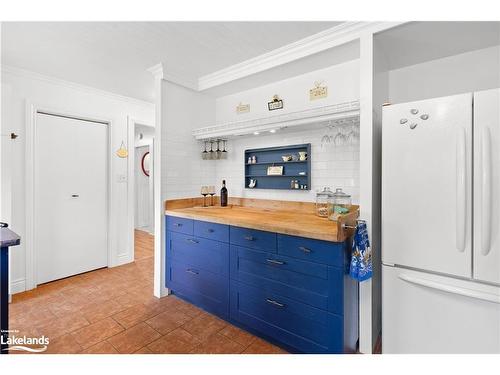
pixel 293 291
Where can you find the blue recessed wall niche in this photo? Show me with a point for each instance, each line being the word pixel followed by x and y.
pixel 293 170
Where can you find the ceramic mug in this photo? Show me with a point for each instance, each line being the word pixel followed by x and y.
pixel 302 155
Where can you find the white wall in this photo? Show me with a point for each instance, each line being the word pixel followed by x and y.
pixel 53 94
pixel 467 72
pixel 333 166
pixel 183 170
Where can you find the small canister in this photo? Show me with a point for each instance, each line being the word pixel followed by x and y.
pixel 322 202
pixel 340 203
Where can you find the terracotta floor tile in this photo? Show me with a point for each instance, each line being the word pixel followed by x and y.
pixel 168 321
pixel 204 326
pixel 241 337
pixel 31 319
pixel 103 347
pixel 135 314
pixel 218 344
pixel 64 307
pixel 260 346
pixel 134 338
pixel 144 350
pixel 178 341
pixel 66 344
pixel 188 309
pixel 100 310
pixel 62 325
pixel 97 332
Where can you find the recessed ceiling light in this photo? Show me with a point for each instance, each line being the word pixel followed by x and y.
pixel 256 133
pixel 272 131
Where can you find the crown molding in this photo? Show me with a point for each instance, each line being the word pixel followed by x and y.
pixel 161 71
pixel 8 69
pixel 335 36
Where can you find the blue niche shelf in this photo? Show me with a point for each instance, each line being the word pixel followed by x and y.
pixel 272 156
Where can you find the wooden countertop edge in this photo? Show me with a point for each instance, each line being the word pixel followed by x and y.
pixel 340 236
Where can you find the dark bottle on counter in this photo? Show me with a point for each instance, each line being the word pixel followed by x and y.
pixel 223 194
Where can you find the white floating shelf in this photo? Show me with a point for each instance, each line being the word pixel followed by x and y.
pixel 335 113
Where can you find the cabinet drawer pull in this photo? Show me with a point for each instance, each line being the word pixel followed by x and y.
pixel 304 249
pixel 275 303
pixel 249 238
pixel 192 241
pixel 192 272
pixel 274 261
pixel 210 230
pixel 177 224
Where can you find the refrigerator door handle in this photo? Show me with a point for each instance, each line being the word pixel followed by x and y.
pixel 495 298
pixel 461 202
pixel 485 191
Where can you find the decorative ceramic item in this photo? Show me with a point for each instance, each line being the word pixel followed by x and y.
pixel 302 155
pixel 286 157
pixel 242 108
pixel 318 92
pixel 122 152
pixel 254 159
pixel 252 183
pixel 275 170
pixel 275 103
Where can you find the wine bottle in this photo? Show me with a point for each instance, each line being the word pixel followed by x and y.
pixel 223 194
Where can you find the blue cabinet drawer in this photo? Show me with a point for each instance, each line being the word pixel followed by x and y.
pixel 295 324
pixel 311 283
pixel 212 231
pixel 202 253
pixel 179 224
pixel 202 288
pixel 331 253
pixel 254 239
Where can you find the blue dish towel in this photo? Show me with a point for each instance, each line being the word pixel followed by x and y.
pixel 361 261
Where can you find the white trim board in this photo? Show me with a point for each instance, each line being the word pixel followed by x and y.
pixel 31 111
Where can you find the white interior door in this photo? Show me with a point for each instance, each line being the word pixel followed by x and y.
pixel 427 313
pixel 487 186
pixel 426 185
pixel 70 218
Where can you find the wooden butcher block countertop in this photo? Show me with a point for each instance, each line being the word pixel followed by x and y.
pixel 279 218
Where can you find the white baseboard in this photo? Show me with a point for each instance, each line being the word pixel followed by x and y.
pixel 122 259
pixel 17 286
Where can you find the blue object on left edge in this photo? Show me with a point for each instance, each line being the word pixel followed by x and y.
pixel 361 261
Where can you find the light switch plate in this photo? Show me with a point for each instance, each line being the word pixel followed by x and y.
pixel 121 178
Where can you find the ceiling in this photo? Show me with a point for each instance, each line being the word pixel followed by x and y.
pixel 417 42
pixel 115 56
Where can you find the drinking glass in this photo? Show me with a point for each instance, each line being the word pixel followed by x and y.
pixel 211 152
pixel 204 154
pixel 211 191
pixel 204 192
pixel 218 152
pixel 224 152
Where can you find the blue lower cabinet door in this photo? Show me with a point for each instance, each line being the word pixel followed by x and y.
pixel 202 288
pixel 300 326
pixel 253 239
pixel 206 254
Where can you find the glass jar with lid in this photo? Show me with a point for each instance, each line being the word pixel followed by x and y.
pixel 340 203
pixel 323 202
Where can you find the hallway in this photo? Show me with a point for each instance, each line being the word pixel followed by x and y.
pixel 112 310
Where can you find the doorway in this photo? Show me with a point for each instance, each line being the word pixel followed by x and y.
pixel 143 186
pixel 70 230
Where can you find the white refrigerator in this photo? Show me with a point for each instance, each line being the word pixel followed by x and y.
pixel 441 225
